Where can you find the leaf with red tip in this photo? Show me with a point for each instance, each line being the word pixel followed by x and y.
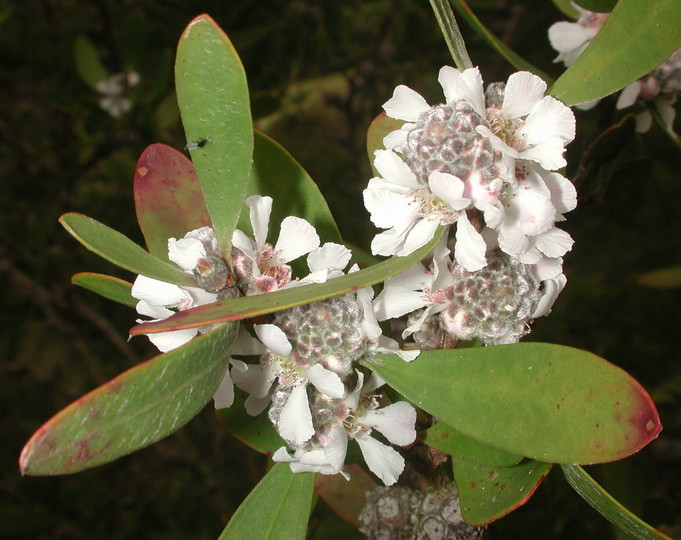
pixel 547 402
pixel 346 498
pixel 487 493
pixel 168 197
pixel 378 129
pixel 134 410
pixel 251 306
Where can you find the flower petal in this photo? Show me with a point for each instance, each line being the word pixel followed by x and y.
pixel 549 118
pixel 523 90
pixel 406 104
pixel 396 422
pixel 329 256
pixel 554 242
pixel 382 460
pixel 260 210
pixel 326 381
pixel 449 188
pixel 295 420
pixel 470 247
pixel 160 293
pixel 224 395
pixel 297 237
pixel 274 338
pixel 394 302
pixel 186 252
pixel 168 341
pixel 391 167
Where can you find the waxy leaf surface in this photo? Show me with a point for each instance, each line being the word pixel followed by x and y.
pixel 251 306
pixel 107 286
pixel 454 443
pixel 134 410
pixel 487 493
pixel 168 197
pixel 120 250
pixel 636 38
pixel 212 94
pixel 278 508
pixel 547 402
pixel 608 507
pixel 346 498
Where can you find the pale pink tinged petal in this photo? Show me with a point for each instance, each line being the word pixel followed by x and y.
pixel 245 344
pixel 416 324
pixel 447 78
pixel 415 277
pixel 244 243
pixel 388 209
pixel 549 118
pixel 391 167
pixel 274 338
pixel 628 95
pixel 297 237
pixel 419 235
pixel 382 460
pixel 406 104
pixel 567 36
pixel 554 243
pixel 511 239
pixel 387 243
pixel 256 379
pixel 295 421
pixel 167 341
pixel 494 215
pixel 158 292
pixel 152 310
pixel 643 122
pixel 470 246
pixel 534 212
pixel 523 91
pixel 224 395
pixel 329 256
pixel 254 405
pixel 563 192
pixel 549 154
pixel 396 140
pixel 506 150
pixel 260 210
pixel 530 256
pixel 552 289
pixel 326 381
pixel 282 456
pixel 185 253
pixel 548 268
pixel 469 87
pixel 337 447
pixel 394 302
pixel 396 422
pixel 449 188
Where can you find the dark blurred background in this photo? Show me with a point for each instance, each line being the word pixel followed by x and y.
pixel 318 73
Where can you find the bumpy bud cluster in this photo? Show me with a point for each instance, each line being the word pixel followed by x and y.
pixel 407 514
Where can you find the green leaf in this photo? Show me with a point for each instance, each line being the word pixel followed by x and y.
pixel 277 174
pixel 512 58
pixel 451 33
pixel 88 64
pixel 635 39
pixel 666 278
pixel 488 493
pixel 608 507
pixel 212 94
pixel 109 287
pixel 450 441
pixel 277 509
pixel 168 198
pixel 378 129
pixel 255 431
pixel 134 410
pixel 346 498
pixel 546 402
pixel 120 250
pixel 262 304
pixel 567 8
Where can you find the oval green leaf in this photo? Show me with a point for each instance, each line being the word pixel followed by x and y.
pixel 448 440
pixel 109 287
pixel 88 64
pixel 212 94
pixel 262 304
pixel 636 38
pixel 134 410
pixel 608 507
pixel 278 508
pixel 168 197
pixel 488 493
pixel 547 402
pixel 666 278
pixel 120 250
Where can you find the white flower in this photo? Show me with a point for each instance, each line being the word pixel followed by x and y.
pixel 114 90
pixel 259 266
pixel 571 38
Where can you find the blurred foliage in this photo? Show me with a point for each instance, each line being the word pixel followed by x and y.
pixel 318 71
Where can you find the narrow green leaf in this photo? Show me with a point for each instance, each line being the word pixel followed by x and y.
pixel 120 250
pixel 378 129
pixel 456 444
pixel 346 498
pixel 134 410
pixel 608 507
pixel 567 7
pixel 451 33
pixel 212 94
pixel 255 431
pixel 666 278
pixel 109 287
pixel 88 64
pixel 546 402
pixel 635 39
pixel 277 174
pixel 168 197
pixel 278 508
pixel 252 306
pixel 512 58
pixel 488 493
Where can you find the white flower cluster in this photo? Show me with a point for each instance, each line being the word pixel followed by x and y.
pixel 484 162
pixel 660 87
pixel 307 371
